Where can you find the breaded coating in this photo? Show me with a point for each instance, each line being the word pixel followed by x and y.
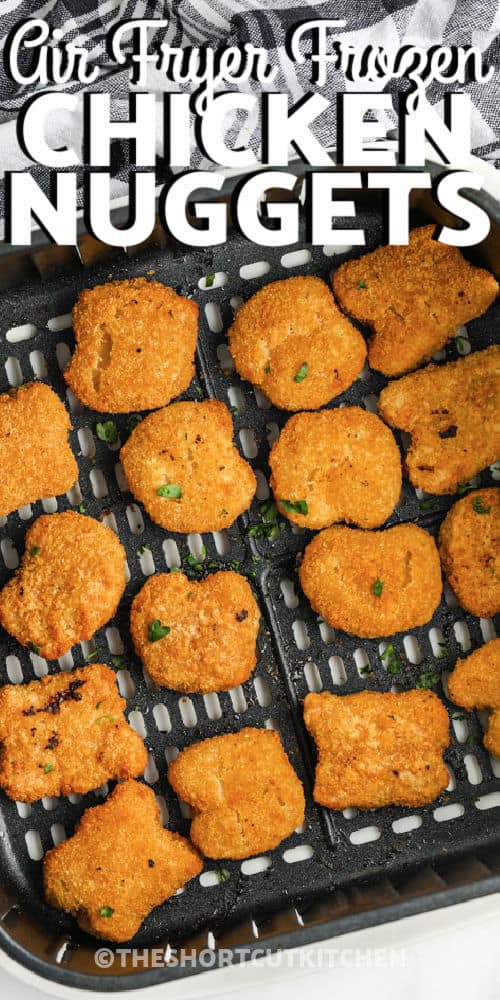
pixel 205 634
pixel 343 464
pixel 244 793
pixel 36 460
pixel 475 683
pixel 469 547
pixel 378 749
pixel 181 463
pixel 119 864
pixel 413 297
pixel 68 585
pixel 452 414
pixel 66 733
pixel 292 341
pixel 135 343
pixel 372 583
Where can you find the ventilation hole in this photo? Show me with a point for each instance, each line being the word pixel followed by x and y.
pixel 135 519
pixel 301 853
pixel 114 641
pixel 102 791
pixel 212 706
pixel 196 547
pixel 452 783
pixel 287 588
pixel 86 440
pixel 209 879
pixel 18 333
pixel 437 642
pixel 162 718
pixel 98 483
pixel 412 649
pixel 449 596
pixel 222 543
pixel 248 442
pixel 262 492
pixel 34 845
pixel 136 720
pixel 225 360
pixel 462 636
pixel 362 662
pixel 255 865
pixel 49 803
pixel 262 690
pixel 40 667
pixel 439 355
pixel 171 553
pixel 236 399
pixel 327 633
pixel 25 512
pixel 490 801
pixel 495 766
pixel 24 809
pixel 49 505
pixel 188 714
pixel 63 355
pixel 272 433
pixel 120 478
pixel 57 323
pixel 332 249
pixel 146 561
pixel 75 798
pixel 474 774
pixel 171 754
pixel 262 401
pixel 9 553
pixel 364 374
pixel 74 495
pixel 38 364
pixel 313 677
pixel 272 724
pixel 445 813
pixel 14 671
pixel 495 471
pixel 366 835
pixel 236 303
pixel 488 630
pixel 162 806
pixel 370 403
pixel 255 270
pixel 407 824
pixel 214 317
pixel 75 407
pixel 238 700
pixel 217 280
pixel 58 833
pixel 462 342
pixel 151 771
pixel 125 683
pixel 13 372
pixel 295 258
pixel 300 635
pixel 337 670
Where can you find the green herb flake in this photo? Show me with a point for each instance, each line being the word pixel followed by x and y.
pixel 98 704
pixel 157 631
pixel 106 911
pixel 364 671
pixel 35 550
pixel 209 280
pixel 91 656
pixel 478 506
pixel 222 874
pixel 471 740
pixel 107 718
pixel 391 660
pixel 170 490
pixel 81 509
pixel 464 487
pixel 107 431
pixel 175 569
pixel 119 662
pixel 378 587
pixel 34 649
pixel 443 651
pixel 267 370
pixel 302 372
pixel 459 716
pixel 427 505
pixel 236 563
pixel 294 506
pixel 48 768
pixel 428 679
pixel 234 409
pixel 361 284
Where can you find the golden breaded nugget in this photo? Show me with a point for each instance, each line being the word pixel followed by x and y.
pixel 196 637
pixel 452 414
pixel 292 341
pixel 181 463
pixel 135 343
pixel 35 458
pixel 378 749
pixel 475 683
pixel 469 547
pixel 372 583
pixel 65 733
pixel 413 297
pixel 244 793
pixel 341 465
pixel 69 584
pixel 119 864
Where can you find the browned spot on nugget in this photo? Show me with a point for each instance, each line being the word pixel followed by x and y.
pixel 475 683
pixel 135 343
pixel 213 626
pixel 35 458
pixel 244 793
pixel 292 341
pixel 452 414
pixel 413 297
pixel 69 584
pixel 469 546
pixel 181 463
pixel 65 733
pixel 378 749
pixel 372 583
pixel 103 876
pixel 345 465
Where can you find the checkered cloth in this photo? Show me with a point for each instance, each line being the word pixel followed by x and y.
pixel 390 23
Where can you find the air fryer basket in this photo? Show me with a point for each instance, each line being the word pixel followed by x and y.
pixel 342 870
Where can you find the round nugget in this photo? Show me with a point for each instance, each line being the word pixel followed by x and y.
pixel 336 465
pixel 291 340
pixel 469 546
pixel 135 343
pixel 70 581
pixel 196 637
pixel 372 583
pixel 181 463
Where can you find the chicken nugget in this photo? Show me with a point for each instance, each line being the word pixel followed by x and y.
pixel 372 583
pixel 378 749
pixel 196 637
pixel 66 733
pixel 469 547
pixel 244 793
pixel 336 465
pixel 452 414
pixel 292 341
pixel 35 458
pixel 135 343
pixel 475 683
pixel 69 584
pixel 413 297
pixel 181 463
pixel 119 864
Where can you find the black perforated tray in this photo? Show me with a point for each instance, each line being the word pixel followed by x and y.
pixel 348 851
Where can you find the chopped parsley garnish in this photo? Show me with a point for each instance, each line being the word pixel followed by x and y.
pixel 144 548
pixel 378 587
pixel 427 504
pixel 34 649
pixel 267 370
pixel 157 631
pixel 222 874
pixel 81 509
pixel 209 280
pixel 302 372
pixel 92 655
pixel 428 679
pixel 294 506
pixel 48 768
pixel 269 526
pixel 391 660
pixel 170 490
pixel 106 911
pixel 234 409
pixel 459 716
pixel 175 569
pixel 464 487
pixel 478 506
pixel 364 671
pixel 443 651
pixel 236 563
pixel 361 284
pixel 35 550
pixel 119 662
pixel 471 740
pixel 107 431
pixel 107 717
